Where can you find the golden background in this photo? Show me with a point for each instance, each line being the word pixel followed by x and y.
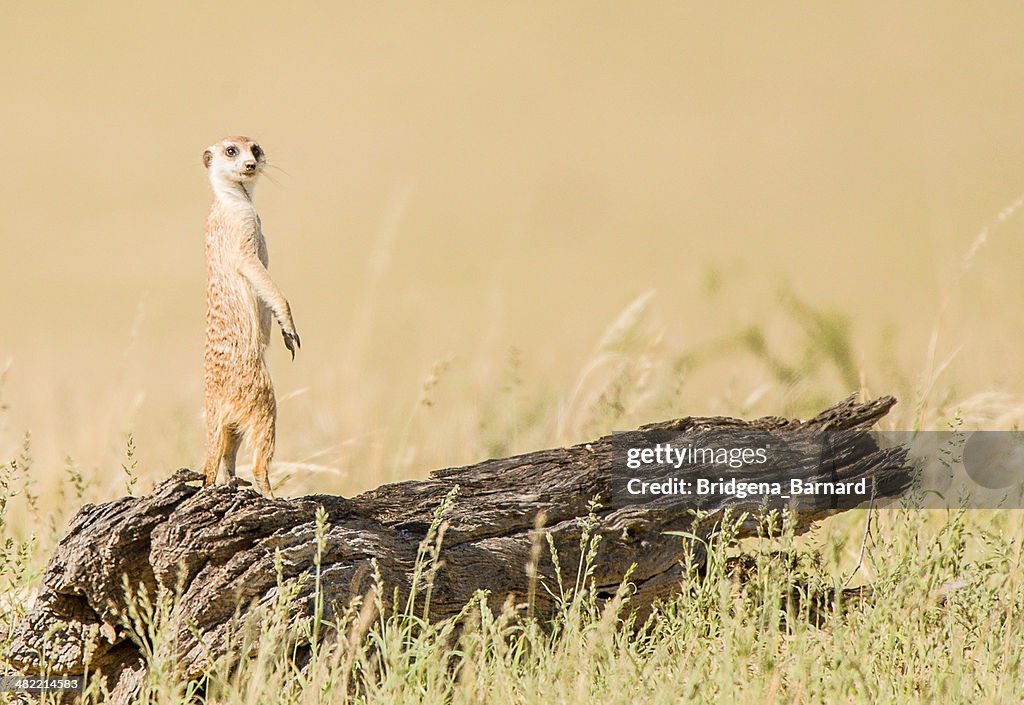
pixel 469 194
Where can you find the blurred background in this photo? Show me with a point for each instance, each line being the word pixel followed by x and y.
pixel 503 226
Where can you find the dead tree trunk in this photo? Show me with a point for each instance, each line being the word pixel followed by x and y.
pixel 216 547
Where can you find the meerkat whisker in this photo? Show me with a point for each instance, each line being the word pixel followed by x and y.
pixel 272 180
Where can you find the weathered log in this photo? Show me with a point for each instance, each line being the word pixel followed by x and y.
pixel 216 548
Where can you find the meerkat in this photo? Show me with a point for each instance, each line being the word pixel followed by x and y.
pixel 240 299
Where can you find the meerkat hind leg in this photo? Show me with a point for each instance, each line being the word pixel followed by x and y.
pixel 215 440
pixel 222 449
pixel 260 471
pixel 263 452
pixel 229 453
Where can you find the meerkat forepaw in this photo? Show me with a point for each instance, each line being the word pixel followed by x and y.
pixel 291 341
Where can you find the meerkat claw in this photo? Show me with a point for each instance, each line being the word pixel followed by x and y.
pixel 291 341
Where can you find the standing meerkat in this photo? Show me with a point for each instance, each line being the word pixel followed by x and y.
pixel 240 298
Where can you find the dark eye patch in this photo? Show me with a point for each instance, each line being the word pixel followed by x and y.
pixel 257 151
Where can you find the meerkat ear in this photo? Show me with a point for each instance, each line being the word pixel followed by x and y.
pixel 207 158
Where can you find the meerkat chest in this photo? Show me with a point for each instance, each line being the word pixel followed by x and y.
pixel 234 232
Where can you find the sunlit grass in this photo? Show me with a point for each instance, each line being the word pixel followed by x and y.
pixel 944 622
pixel 942 619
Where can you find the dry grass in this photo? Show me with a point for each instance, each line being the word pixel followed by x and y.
pixel 470 204
pixel 943 624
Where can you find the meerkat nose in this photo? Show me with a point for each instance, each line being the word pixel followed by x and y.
pixel 249 166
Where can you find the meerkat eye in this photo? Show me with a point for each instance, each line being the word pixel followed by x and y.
pixel 257 152
pixel 231 151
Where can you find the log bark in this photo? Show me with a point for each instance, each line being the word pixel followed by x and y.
pixel 216 548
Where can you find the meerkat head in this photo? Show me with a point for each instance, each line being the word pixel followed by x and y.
pixel 234 160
